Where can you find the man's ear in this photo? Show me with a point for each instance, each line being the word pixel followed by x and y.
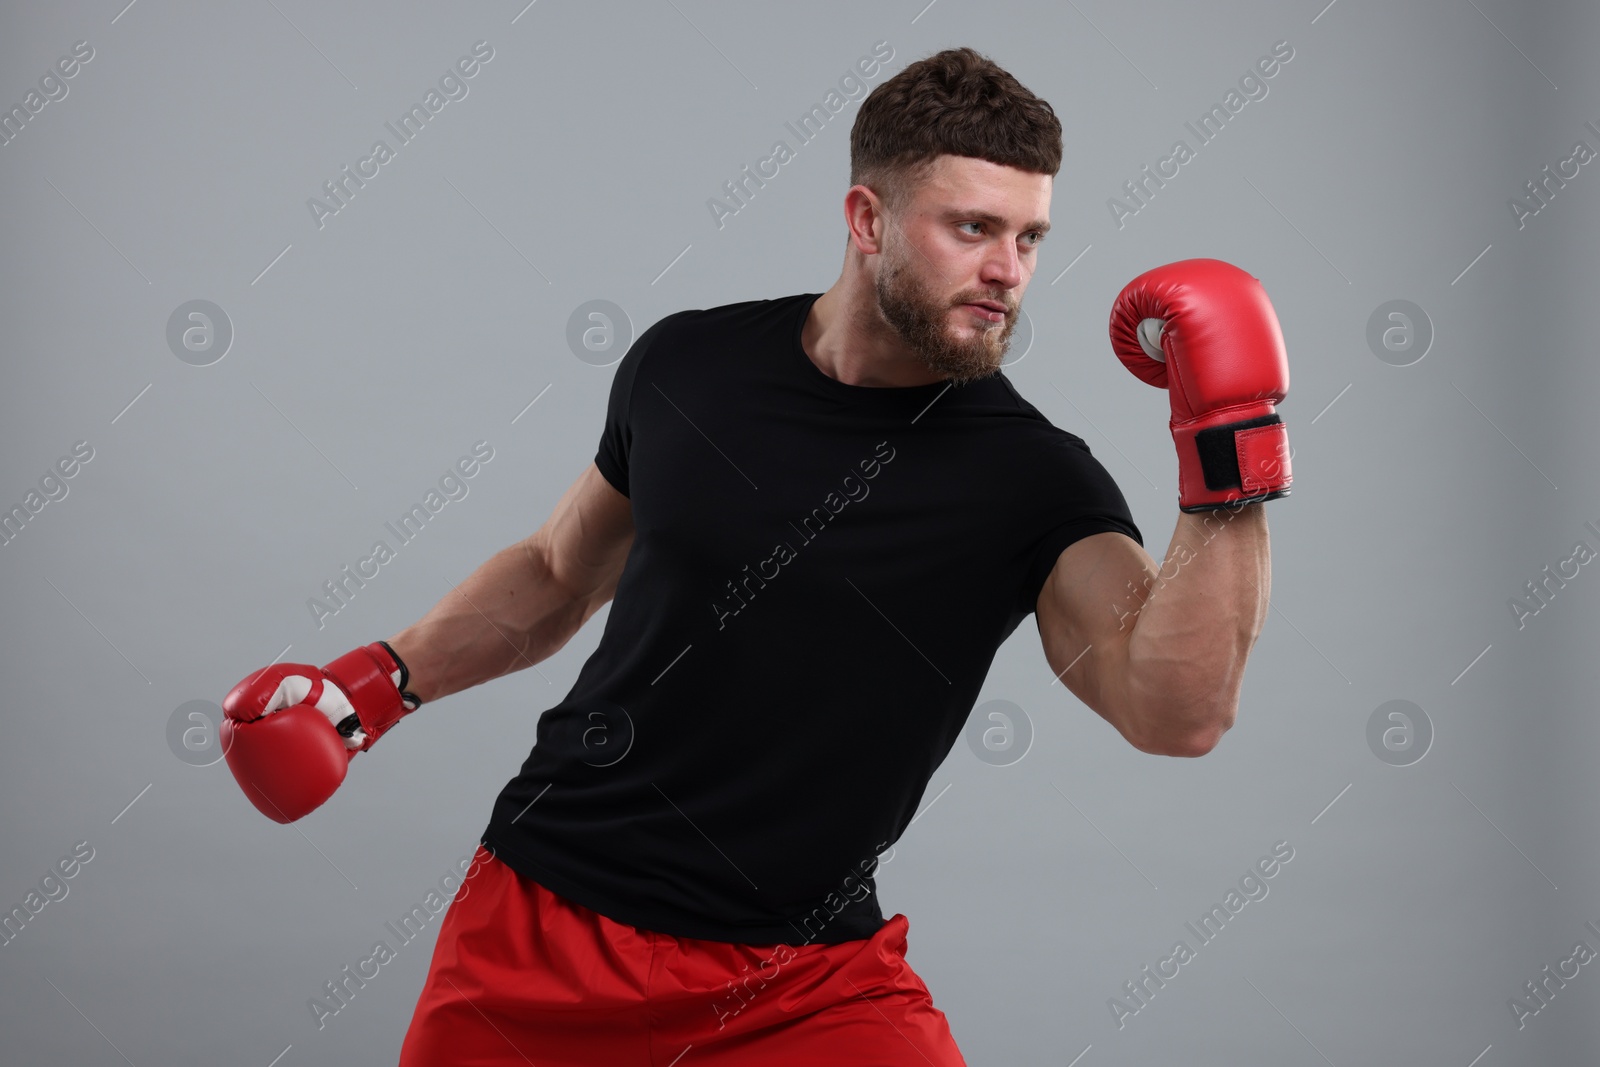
pixel 864 215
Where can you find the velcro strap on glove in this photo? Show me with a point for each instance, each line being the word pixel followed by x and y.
pixel 1252 455
pixel 374 679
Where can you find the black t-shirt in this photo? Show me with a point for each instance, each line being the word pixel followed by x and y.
pixel 820 577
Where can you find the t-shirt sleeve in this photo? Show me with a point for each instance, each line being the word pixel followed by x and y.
pixel 616 437
pixel 1079 498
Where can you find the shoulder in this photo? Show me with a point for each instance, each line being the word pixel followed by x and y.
pixel 1042 441
pixel 694 338
pixel 732 318
pixel 1059 478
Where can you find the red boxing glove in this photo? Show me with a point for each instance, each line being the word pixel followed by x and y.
pixel 290 731
pixel 1205 331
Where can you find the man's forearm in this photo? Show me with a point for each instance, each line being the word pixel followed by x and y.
pixel 508 614
pixel 1201 612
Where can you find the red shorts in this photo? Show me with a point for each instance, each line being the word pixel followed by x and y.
pixel 523 976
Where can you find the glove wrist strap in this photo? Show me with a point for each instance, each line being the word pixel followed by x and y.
pixel 411 700
pixel 368 676
pixel 1232 463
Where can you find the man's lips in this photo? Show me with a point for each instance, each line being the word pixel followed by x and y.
pixel 991 310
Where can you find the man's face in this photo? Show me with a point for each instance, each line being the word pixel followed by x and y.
pixel 969 235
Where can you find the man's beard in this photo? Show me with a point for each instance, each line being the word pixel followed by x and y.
pixel 921 319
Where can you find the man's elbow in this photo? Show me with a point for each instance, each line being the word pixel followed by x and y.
pixel 1164 736
pixel 1194 744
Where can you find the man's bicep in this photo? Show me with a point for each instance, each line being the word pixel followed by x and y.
pixel 587 537
pixel 1085 612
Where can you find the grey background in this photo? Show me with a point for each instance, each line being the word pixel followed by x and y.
pixel 429 312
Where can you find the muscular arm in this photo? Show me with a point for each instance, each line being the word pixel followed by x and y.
pixel 1159 652
pixel 526 601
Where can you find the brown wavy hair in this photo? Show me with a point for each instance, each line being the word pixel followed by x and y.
pixel 955 102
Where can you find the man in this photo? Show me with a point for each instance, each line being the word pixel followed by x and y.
pixel 818 517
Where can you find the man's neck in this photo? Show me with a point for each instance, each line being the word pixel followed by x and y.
pixel 847 339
